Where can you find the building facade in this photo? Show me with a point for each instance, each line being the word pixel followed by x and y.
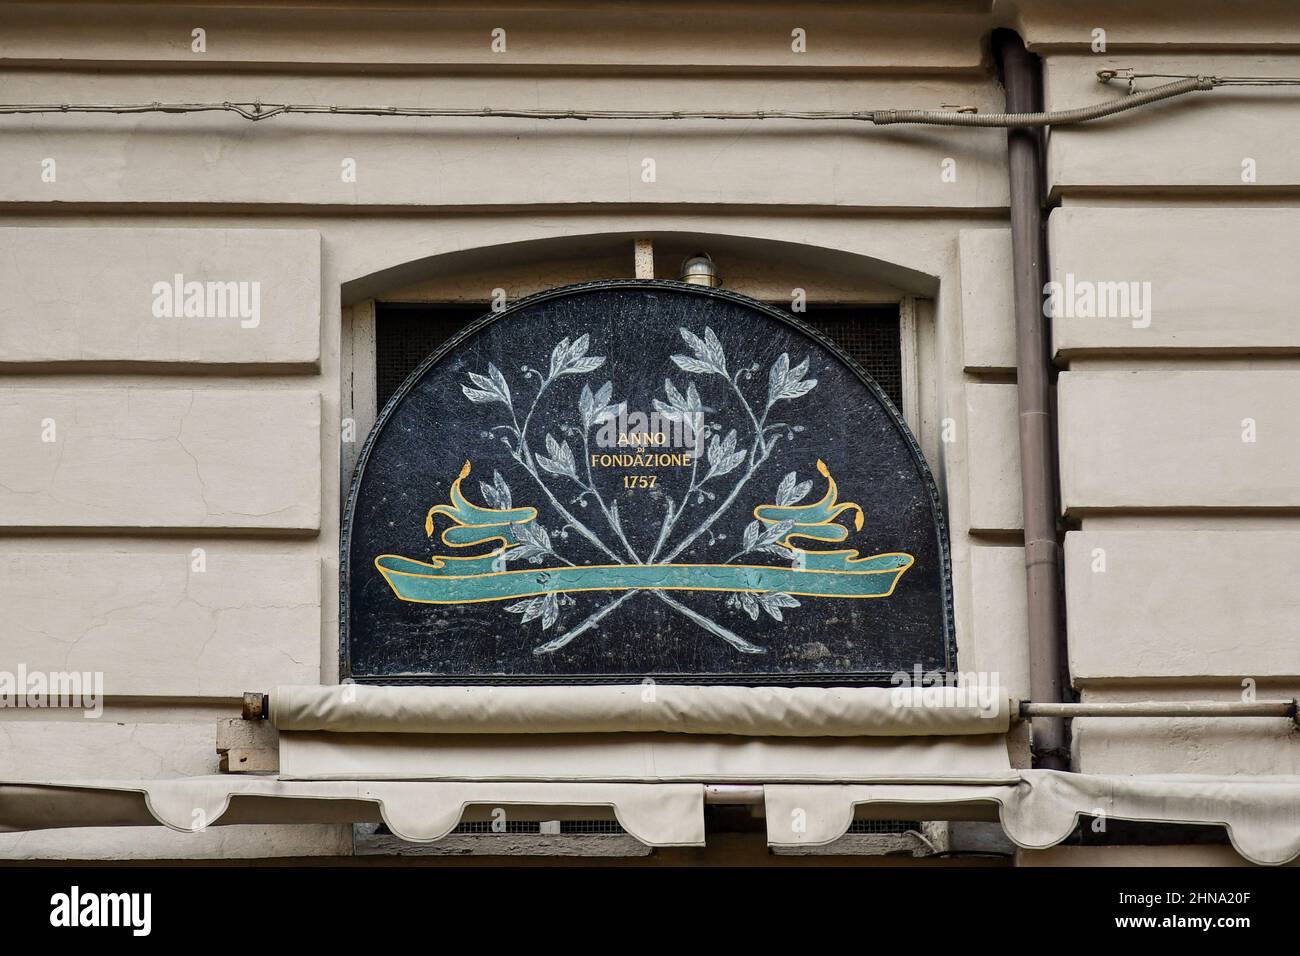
pixel 178 457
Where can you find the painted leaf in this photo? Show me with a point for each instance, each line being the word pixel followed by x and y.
pixel 775 533
pixel 773 601
pixel 791 490
pixel 480 397
pixel 499 381
pixel 709 358
pixel 504 499
pixel 698 366
pixel 589 364
pixel 488 388
pixel 612 411
pixel 667 411
pixel 531 609
pixel 594 406
pixel 559 357
pixel 713 351
pixel 531 533
pixel 798 493
pixel 798 389
pixel 561 460
pixel 550 611
pixel 730 463
pixel 786 382
pixel 524 552
pixel 675 398
pixel 572 359
pixel 729 443
pixel 534 610
pixel 723 456
pixel 551 465
pixel 534 542
pixel 679 407
pixel 776 378
pixel 566 458
pixel 695 343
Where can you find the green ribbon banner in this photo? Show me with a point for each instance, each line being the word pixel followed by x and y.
pixel 439 583
pixel 485 577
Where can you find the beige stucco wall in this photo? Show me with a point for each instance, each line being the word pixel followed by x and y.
pixel 180 434
pixel 1178 462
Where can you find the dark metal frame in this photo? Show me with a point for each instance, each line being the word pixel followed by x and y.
pixel 803 680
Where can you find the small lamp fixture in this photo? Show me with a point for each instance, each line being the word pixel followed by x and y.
pixel 700 269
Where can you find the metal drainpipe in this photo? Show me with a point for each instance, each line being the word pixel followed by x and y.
pixel 1022 79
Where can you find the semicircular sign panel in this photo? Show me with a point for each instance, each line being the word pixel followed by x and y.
pixel 634 479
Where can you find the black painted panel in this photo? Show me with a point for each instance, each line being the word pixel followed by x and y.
pixel 741 589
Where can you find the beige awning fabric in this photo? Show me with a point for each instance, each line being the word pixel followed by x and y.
pixel 1261 814
pixel 648 758
pixel 1038 809
pixel 657 815
pixel 640 708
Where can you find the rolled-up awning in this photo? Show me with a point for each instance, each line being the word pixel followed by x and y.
pixel 638 733
pixel 417 758
pixel 646 758
pixel 640 708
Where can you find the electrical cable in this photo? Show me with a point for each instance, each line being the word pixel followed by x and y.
pixel 957 116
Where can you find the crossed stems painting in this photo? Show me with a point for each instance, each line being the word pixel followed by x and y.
pixel 726 462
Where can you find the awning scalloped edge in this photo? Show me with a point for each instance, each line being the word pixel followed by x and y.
pixel 1261 814
pixel 420 811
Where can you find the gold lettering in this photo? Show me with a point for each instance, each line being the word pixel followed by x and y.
pixel 641 459
pixel 641 439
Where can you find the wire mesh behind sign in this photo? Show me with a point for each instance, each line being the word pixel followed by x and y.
pixel 406 334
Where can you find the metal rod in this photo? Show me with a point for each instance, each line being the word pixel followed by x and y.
pixel 1038 478
pixel 1162 708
